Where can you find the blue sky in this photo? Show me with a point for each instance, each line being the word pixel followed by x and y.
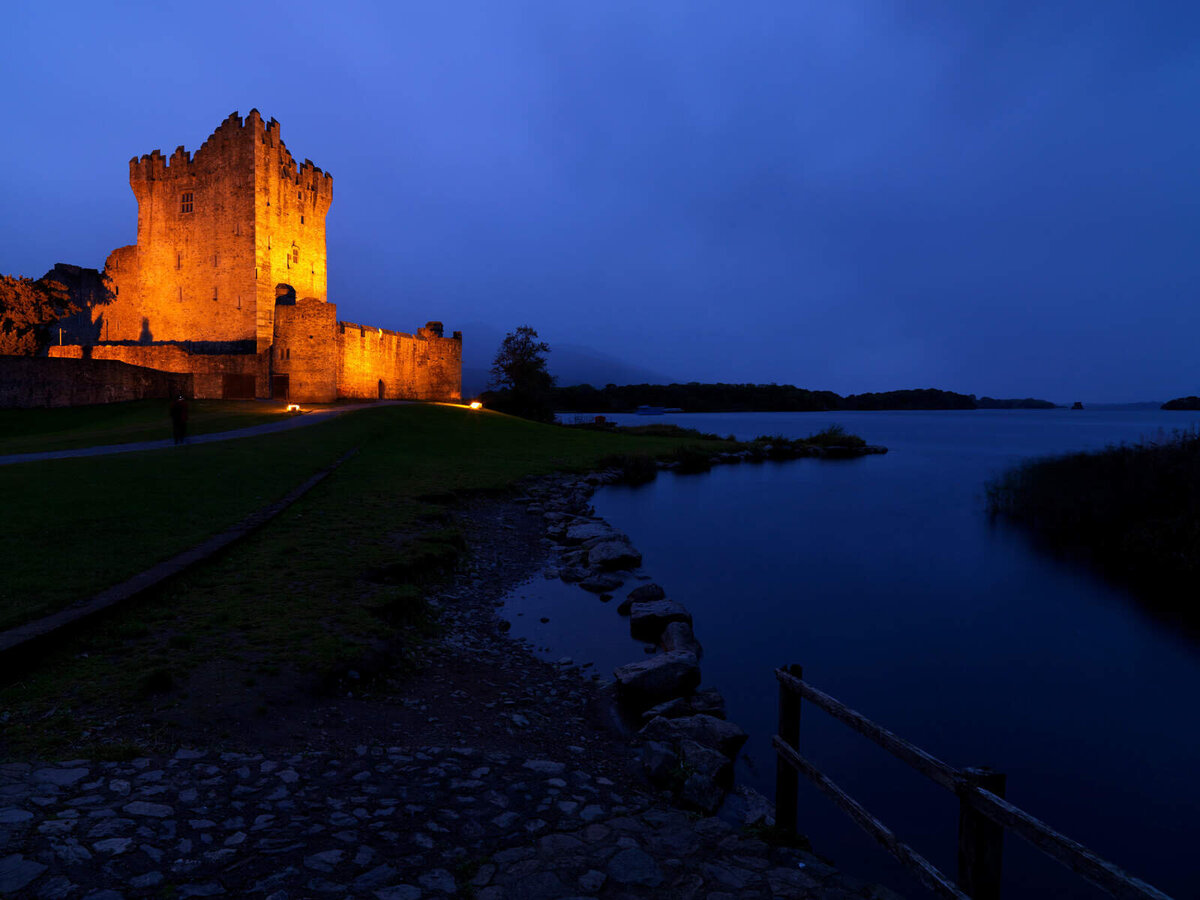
pixel 987 197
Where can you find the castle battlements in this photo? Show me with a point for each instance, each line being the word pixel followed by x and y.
pixel 229 235
pixel 232 135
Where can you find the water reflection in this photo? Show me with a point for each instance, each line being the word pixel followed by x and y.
pixel 885 578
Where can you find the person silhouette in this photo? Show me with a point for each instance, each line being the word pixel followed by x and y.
pixel 179 417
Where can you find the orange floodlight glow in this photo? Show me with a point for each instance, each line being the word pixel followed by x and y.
pixel 293 407
pixel 475 404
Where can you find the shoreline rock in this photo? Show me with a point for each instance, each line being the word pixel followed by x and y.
pixel 597 557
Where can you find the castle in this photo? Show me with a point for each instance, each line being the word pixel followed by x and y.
pixel 227 283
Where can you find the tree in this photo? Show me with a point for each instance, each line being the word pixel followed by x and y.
pixel 27 310
pixel 520 375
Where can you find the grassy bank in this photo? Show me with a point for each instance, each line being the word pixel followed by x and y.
pixel 65 428
pixel 1133 510
pixel 328 583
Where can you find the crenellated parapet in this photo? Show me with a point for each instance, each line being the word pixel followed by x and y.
pixel 223 232
pixel 233 135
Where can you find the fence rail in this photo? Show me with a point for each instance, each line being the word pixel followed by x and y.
pixel 984 814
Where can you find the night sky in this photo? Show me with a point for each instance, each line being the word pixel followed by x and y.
pixel 997 197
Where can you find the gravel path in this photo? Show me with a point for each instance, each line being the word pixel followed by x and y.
pixel 286 423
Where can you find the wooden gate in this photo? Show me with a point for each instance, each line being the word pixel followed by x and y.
pixel 237 387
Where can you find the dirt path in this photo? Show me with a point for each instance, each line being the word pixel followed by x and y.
pixel 285 424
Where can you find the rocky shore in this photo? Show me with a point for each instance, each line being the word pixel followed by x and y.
pixel 488 773
pixel 687 746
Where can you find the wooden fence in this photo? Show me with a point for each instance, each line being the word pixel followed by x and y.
pixel 984 814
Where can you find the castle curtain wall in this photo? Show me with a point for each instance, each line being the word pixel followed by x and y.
pixel 411 367
pixel 209 371
pixel 439 364
pixel 28 382
pixel 323 359
pixel 222 233
pixel 305 350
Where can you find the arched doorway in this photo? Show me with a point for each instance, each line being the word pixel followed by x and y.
pixel 380 388
pixel 285 294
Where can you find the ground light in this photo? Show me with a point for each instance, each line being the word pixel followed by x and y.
pixel 293 407
pixel 475 404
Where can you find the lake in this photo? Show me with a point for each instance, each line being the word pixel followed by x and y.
pixel 885 578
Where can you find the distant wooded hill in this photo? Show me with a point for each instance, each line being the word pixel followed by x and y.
pixel 695 397
pixel 1192 403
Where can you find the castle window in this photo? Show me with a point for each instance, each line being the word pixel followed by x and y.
pixel 178 259
pixel 295 254
pixel 185 202
pixel 299 195
pixel 302 220
pixel 214 293
pixel 214 259
pixel 239 301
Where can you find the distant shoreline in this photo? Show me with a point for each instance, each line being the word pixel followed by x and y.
pixel 696 397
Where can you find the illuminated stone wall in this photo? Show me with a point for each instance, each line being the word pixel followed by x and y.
pixel 306 351
pixel 290 203
pixel 29 382
pixel 208 369
pixel 217 231
pixel 222 234
pixel 424 366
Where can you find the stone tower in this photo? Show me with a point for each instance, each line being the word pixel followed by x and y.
pixel 219 231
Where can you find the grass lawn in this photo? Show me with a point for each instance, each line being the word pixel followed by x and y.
pixel 65 428
pixel 334 576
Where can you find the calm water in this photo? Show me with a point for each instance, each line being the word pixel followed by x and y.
pixel 884 578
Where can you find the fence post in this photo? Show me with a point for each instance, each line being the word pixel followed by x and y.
pixel 787 778
pixel 980 840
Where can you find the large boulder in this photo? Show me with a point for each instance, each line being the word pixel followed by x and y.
pixel 614 554
pixel 708 702
pixel 746 806
pixel 646 592
pixel 602 582
pixel 709 774
pixel 678 635
pixel 643 594
pixel 572 574
pixel 648 620
pixel 642 684
pixel 575 558
pixel 674 708
pixel 610 536
pixel 660 762
pixel 698 775
pixel 703 729
pixel 584 531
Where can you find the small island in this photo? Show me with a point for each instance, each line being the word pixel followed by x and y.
pixel 1191 404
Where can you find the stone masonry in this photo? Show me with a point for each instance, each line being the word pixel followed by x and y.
pixel 228 239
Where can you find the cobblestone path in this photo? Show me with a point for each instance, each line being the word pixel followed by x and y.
pixel 379 822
